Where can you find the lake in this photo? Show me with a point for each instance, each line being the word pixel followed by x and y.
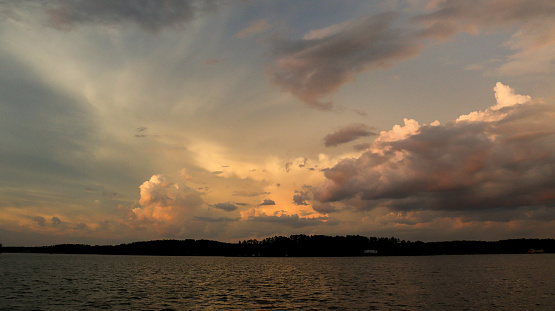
pixel 90 282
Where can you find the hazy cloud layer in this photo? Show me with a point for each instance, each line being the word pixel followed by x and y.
pixel 534 41
pixel 151 15
pixel 253 29
pixel 347 134
pixel 498 158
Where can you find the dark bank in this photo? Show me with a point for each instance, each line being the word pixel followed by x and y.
pixel 301 246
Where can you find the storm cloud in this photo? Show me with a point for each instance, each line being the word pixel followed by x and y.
pixel 498 158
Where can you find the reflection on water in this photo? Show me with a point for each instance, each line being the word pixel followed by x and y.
pixel 85 282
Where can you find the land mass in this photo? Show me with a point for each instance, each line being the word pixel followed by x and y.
pixel 300 246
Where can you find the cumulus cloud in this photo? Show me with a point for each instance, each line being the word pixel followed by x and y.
pixel 347 134
pixel 317 65
pixel 267 202
pixel 151 15
pixel 166 205
pixel 225 206
pixel 498 158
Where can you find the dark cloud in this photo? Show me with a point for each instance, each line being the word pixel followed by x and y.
pixel 347 134
pixel 288 166
pixel 323 208
pixel 225 206
pixel 56 221
pixel 40 220
pixel 316 66
pixel 249 193
pixel 267 202
pixel 217 219
pixel 111 194
pixel 301 197
pixel 500 158
pixel 151 15
pixel 81 226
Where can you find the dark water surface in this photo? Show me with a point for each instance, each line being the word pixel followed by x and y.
pixel 89 282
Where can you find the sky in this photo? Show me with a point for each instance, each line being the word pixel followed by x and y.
pixel 135 120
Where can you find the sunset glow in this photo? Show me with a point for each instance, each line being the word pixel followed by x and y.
pixel 420 119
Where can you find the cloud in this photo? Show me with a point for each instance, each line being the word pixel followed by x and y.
pixel 317 65
pixel 534 41
pixel 280 217
pixel 253 29
pixel 151 15
pixel 225 206
pixel 56 221
pixel 167 205
pixel 498 158
pixel 301 197
pixel 362 147
pixel 347 134
pixel 217 219
pixel 239 193
pixel 40 220
pixel 323 208
pixel 267 202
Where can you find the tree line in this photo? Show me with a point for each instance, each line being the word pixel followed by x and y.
pixel 301 246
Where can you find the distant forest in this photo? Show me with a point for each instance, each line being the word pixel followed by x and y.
pixel 301 246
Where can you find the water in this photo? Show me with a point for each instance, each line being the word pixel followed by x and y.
pixel 90 282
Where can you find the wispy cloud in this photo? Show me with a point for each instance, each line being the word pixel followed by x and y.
pixel 347 134
pixel 317 65
pixel 150 15
pixel 253 29
pixel 228 207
